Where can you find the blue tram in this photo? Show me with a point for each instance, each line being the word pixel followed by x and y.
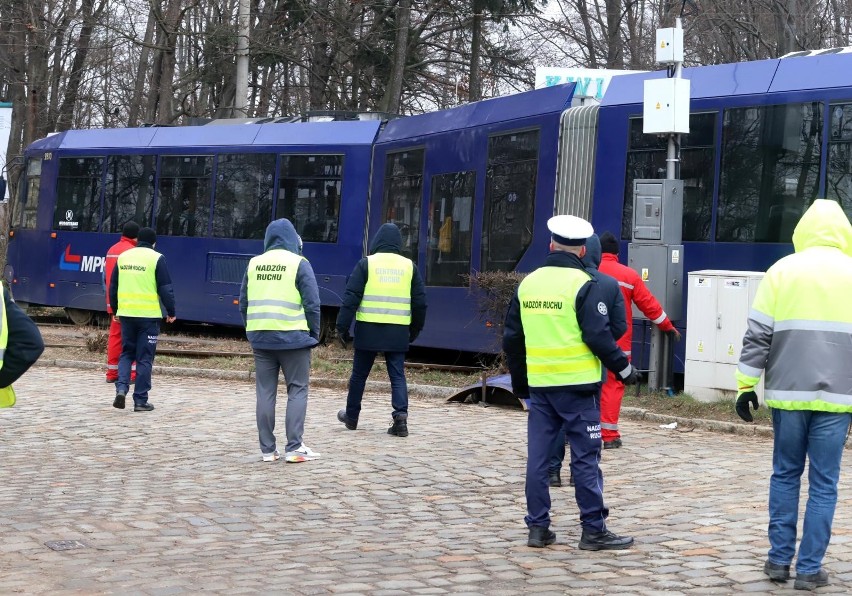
pixel 471 188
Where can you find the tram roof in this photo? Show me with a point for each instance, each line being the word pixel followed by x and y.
pixel 294 133
pixel 490 111
pixel 795 73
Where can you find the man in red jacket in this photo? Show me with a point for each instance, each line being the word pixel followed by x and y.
pixel 128 241
pixel 634 290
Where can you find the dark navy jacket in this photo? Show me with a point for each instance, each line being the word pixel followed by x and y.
pixel 382 337
pixel 613 297
pixel 164 284
pixel 281 235
pixel 594 326
pixel 23 346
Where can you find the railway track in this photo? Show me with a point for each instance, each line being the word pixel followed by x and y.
pixel 209 337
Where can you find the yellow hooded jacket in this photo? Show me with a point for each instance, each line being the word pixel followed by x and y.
pixel 800 325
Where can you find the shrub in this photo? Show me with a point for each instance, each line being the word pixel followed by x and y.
pixel 97 341
pixel 493 291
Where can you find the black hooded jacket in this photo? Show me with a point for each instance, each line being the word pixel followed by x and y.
pixel 612 296
pixel 382 337
pixel 281 235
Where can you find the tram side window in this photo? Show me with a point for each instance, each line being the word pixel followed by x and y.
pixel 646 158
pixel 28 205
pixel 309 188
pixel 838 186
pixel 183 206
pixel 509 199
pixel 129 191
pixel 78 194
pixel 403 192
pixel 243 197
pixel 770 171
pixel 450 229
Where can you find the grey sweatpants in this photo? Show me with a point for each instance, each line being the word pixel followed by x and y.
pixel 296 365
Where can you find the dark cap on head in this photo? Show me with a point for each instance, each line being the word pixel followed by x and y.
pixel 130 230
pixel 609 244
pixel 147 235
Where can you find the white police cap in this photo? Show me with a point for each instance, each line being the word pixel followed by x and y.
pixel 569 229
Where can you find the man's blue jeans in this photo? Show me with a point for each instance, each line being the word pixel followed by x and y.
pixel 819 437
pixel 362 363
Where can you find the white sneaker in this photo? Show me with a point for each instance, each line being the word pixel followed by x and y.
pixel 303 453
pixel 271 456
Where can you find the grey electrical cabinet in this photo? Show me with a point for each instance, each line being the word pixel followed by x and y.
pixel 661 268
pixel 657 211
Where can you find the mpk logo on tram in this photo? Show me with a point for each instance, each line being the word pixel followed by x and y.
pixel 71 262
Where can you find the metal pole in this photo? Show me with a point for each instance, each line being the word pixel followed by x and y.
pixel 661 350
pixel 241 96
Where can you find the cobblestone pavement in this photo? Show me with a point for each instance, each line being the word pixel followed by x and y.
pixel 177 501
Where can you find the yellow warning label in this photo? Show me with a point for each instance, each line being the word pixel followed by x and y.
pixel 663 44
pixel 658 105
pixel 730 349
pixel 701 346
pixel 644 274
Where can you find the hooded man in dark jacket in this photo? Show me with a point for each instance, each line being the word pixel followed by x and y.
pixel 280 306
pixel 614 301
pixel 386 297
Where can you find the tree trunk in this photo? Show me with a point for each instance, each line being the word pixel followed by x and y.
pixel 142 72
pixel 393 89
pixel 81 51
pixel 475 80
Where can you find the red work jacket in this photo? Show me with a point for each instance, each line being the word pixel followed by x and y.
pixel 634 290
pixel 111 259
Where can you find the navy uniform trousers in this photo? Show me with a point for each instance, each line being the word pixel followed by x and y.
pixel 580 414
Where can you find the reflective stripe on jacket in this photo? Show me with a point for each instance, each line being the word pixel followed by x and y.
pixel 555 352
pixel 387 293
pixel 800 326
pixel 137 284
pixel 274 301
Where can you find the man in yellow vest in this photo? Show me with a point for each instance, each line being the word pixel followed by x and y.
pixel 139 282
pixel 800 333
pixel 556 336
pixel 280 306
pixel 386 297
pixel 20 346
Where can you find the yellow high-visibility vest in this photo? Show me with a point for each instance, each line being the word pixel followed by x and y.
pixel 7 394
pixel 274 302
pixel 137 284
pixel 555 353
pixel 387 293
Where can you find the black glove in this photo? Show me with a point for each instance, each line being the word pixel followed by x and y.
pixel 344 338
pixel 742 405
pixel 674 335
pixel 633 378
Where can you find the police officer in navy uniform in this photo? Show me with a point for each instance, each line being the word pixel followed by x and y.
pixel 556 337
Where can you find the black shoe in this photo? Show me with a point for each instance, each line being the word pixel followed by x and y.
pixel 811 581
pixel 350 424
pixel 146 407
pixel 112 381
pixel 570 478
pixel 400 426
pixel 614 444
pixel 555 478
pixel 777 573
pixel 605 540
pixel 540 537
pixel 118 402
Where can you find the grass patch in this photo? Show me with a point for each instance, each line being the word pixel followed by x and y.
pixel 686 406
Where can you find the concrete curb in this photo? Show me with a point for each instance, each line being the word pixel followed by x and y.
pixel 433 391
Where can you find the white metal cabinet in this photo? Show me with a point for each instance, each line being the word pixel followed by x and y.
pixel 717 318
